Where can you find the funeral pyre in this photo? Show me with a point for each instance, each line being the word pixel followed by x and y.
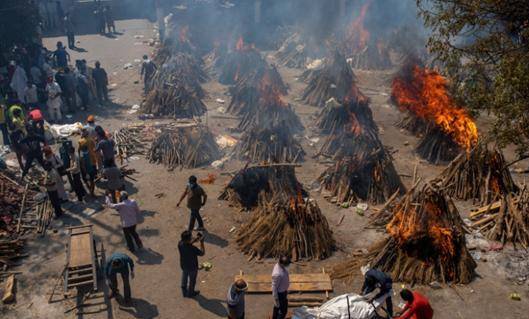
pixel 506 220
pixel 480 174
pixel 426 243
pixel 363 50
pixel 284 220
pixel 185 146
pixel 423 93
pixel 240 62
pixel 334 79
pixel 175 89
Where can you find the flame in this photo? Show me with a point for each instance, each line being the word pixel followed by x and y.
pixel 183 34
pixel 426 96
pixel 269 90
pixel 356 33
pixel 356 128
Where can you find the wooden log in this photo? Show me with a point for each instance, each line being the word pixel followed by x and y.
pixel 9 291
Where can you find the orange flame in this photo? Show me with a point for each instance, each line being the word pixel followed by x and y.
pixel 356 33
pixel 426 96
pixel 269 91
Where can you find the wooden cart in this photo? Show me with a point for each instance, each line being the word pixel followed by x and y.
pixel 82 259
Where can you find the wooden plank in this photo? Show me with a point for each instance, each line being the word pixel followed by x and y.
pixel 9 291
pixel 482 210
pixel 80 250
pixel 298 282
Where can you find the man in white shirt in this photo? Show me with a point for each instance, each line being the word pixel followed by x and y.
pixel 129 213
pixel 54 100
pixel 31 98
pixel 280 284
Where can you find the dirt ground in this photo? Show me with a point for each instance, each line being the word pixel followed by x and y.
pixel 155 290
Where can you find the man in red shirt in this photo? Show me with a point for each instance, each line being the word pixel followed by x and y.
pixel 417 306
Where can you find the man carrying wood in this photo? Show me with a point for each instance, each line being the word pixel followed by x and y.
pixel 417 306
pixel 377 279
pixel 280 284
pixel 196 198
pixel 122 264
pixel 189 262
pixel 128 212
pixel 235 299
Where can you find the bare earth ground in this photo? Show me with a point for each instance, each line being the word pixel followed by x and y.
pixel 155 289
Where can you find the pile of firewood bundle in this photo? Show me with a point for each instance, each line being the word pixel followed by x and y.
pixel 437 147
pixel 480 174
pixel 183 69
pixel 247 91
pixel 185 146
pixel 293 227
pixel 374 56
pixel 335 79
pixel 262 181
pixel 426 243
pixel 369 178
pixel 350 143
pixel 271 111
pixel 239 63
pixel 269 145
pixel 214 60
pixel 506 220
pixel 173 101
pixel 292 52
pixel 130 141
pixel 413 124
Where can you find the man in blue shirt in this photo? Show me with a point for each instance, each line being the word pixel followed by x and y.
pixel 376 279
pixel 61 56
pixel 122 264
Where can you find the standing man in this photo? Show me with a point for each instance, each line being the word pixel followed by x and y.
pixel 83 90
pixel 119 264
pixel 61 56
pixel 70 32
pixel 105 147
pixel 148 68
pixel 128 212
pixel 75 171
pixel 115 182
pixel 280 284
pixel 69 90
pixel 235 299
pixel 189 262
pixel 3 122
pixel 33 142
pixel 30 96
pixel 374 279
pixel 50 182
pixel 109 19
pixel 19 81
pixel 196 198
pixel 54 100
pixel 101 80
pixel 417 306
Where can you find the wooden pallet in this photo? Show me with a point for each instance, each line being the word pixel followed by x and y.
pixel 81 259
pixel 316 282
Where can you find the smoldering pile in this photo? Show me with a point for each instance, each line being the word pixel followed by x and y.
pixel 240 62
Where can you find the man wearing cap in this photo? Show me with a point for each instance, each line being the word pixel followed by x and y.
pixel 129 213
pixel 235 299
pixel 280 284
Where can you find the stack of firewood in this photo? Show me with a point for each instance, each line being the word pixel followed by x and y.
pixel 369 178
pixel 334 80
pixel 506 220
pixel 239 63
pixel 437 147
pixel 480 174
pixel 130 141
pixel 292 52
pixel 426 243
pixel 269 145
pixel 375 56
pixel 413 124
pixel 294 227
pixel 185 146
pixel 250 183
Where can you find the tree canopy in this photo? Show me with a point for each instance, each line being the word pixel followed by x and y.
pixel 19 21
pixel 484 48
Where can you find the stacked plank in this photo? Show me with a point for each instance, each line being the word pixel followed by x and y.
pixel 294 227
pixel 176 90
pixel 335 79
pixel 480 174
pixel 185 146
pixel 426 243
pixel 506 220
pixel 269 145
pixel 370 178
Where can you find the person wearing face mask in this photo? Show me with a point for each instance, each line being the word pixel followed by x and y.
pixel 196 198
pixel 235 299
pixel 148 68
pixel 280 284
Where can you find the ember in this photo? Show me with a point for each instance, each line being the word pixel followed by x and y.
pixel 426 243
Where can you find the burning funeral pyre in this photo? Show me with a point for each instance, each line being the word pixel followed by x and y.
pixel 284 221
pixel 292 52
pixel 250 88
pixel 335 79
pixel 370 178
pixel 426 243
pixel 184 145
pixel 176 89
pixel 480 174
pixel 363 50
pixel 422 93
pixel 506 220
pixel 240 62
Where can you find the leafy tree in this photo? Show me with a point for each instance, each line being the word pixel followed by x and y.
pixel 484 47
pixel 19 21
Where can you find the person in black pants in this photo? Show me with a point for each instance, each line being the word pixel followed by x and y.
pixel 119 264
pixel 50 182
pixel 189 262
pixel 374 279
pixel 196 198
pixel 33 141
